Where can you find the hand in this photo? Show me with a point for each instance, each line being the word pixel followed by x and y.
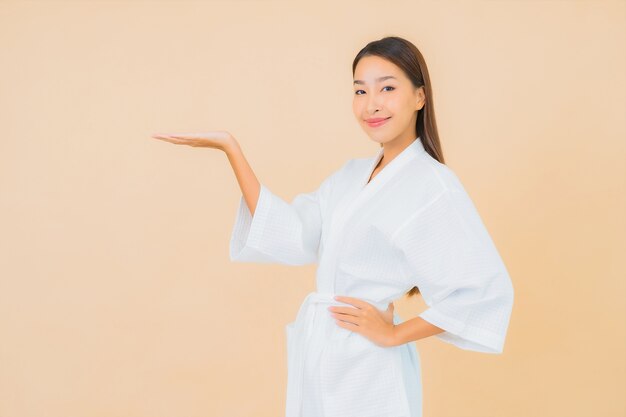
pixel 365 319
pixel 218 139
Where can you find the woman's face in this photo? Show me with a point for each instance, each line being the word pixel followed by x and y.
pixel 381 90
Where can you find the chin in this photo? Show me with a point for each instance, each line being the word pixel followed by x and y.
pixel 380 141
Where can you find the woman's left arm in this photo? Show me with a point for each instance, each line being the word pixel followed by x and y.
pixel 452 259
pixel 412 330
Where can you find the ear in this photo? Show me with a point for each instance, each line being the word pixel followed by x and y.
pixel 421 98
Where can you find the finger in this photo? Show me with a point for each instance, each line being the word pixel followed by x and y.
pixel 346 321
pixel 189 135
pixel 345 317
pixel 353 301
pixel 349 326
pixel 183 139
pixel 184 134
pixel 166 139
pixel 175 141
pixel 346 310
pixel 162 136
pixel 177 138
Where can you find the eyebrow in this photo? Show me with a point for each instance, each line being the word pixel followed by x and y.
pixel 379 79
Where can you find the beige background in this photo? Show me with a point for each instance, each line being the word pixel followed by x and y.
pixel 117 297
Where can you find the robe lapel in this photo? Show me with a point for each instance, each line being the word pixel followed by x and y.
pixel 357 197
pixel 366 191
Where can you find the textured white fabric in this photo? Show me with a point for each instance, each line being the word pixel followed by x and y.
pixel 413 224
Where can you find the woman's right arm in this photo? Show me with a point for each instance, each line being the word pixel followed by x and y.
pixel 223 140
pixel 248 182
pixel 267 228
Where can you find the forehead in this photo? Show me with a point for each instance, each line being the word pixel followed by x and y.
pixel 370 68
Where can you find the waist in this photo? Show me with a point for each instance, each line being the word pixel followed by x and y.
pixel 315 317
pixel 327 299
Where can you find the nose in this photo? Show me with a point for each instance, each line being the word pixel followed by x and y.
pixel 373 104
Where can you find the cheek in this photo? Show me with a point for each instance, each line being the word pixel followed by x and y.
pixel 396 104
pixel 357 108
pixel 401 108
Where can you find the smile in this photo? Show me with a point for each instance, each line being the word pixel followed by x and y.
pixel 379 123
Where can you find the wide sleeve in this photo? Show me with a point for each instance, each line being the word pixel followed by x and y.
pixel 452 260
pixel 279 232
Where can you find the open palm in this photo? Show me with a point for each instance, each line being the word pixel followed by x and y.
pixel 218 139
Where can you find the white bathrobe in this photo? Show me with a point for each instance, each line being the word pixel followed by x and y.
pixel 413 224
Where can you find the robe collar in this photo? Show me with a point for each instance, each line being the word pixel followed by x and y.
pixel 364 191
pixel 359 196
pixel 414 149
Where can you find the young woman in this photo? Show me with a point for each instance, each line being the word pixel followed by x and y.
pixel 377 227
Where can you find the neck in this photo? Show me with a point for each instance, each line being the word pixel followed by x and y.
pixel 393 148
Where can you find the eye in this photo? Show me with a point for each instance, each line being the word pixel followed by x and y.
pixel 357 91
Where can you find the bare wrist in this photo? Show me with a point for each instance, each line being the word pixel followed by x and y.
pixel 393 339
pixel 230 145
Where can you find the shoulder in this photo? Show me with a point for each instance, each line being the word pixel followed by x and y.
pixel 446 205
pixel 430 173
pixel 447 177
pixel 428 186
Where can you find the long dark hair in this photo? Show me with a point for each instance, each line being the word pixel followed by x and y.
pixel 410 60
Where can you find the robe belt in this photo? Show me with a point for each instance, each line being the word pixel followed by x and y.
pixel 308 321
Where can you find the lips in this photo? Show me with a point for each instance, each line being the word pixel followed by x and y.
pixel 377 121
